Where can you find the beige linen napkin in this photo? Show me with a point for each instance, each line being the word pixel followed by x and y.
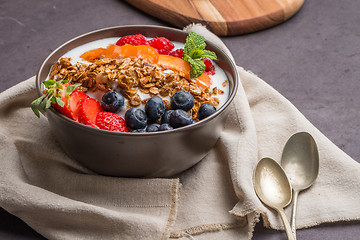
pixel 215 199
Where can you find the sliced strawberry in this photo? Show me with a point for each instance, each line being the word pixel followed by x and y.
pixel 88 109
pixel 75 97
pixel 65 109
pixel 70 108
pixel 111 122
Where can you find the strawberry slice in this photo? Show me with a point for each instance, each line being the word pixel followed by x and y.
pixel 87 111
pixel 65 109
pixel 111 122
pixel 70 108
pixel 74 101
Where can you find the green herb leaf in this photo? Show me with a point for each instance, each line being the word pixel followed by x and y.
pixel 70 89
pixel 194 51
pixel 209 54
pixel 35 105
pixel 53 94
pixel 60 101
pixel 198 67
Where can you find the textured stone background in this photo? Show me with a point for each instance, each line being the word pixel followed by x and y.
pixel 313 60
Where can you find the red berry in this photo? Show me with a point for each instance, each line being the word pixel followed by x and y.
pixel 209 67
pixel 134 40
pixel 111 122
pixel 177 53
pixel 74 100
pixel 88 110
pixel 161 44
pixel 70 107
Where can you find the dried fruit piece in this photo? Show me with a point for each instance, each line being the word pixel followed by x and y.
pixel 147 53
pixel 111 122
pixel 175 63
pixel 162 45
pixel 204 80
pixel 128 50
pixel 93 54
pixel 112 51
pixel 137 39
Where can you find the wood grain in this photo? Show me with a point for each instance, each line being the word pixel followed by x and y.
pixel 223 17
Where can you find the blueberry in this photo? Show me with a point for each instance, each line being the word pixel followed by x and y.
pixel 112 101
pixel 154 108
pixel 135 118
pixel 205 110
pixel 165 117
pixel 153 127
pixel 182 100
pixel 165 126
pixel 180 118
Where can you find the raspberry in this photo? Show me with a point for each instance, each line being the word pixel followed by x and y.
pixel 177 53
pixel 134 40
pixel 161 44
pixel 111 122
pixel 209 67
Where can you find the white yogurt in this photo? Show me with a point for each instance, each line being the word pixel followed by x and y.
pixel 218 78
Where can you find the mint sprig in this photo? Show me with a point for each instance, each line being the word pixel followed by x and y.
pixel 53 95
pixel 194 51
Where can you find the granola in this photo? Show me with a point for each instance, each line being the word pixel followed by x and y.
pixel 133 78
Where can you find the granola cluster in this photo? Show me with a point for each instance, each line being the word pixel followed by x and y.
pixel 129 77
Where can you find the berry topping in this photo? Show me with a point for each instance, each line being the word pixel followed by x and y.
pixel 135 118
pixel 111 122
pixel 177 53
pixel 165 127
pixel 205 110
pixel 88 110
pixel 112 101
pixel 153 127
pixel 209 67
pixel 134 40
pixel 182 100
pixel 154 108
pixel 161 44
pixel 165 117
pixel 180 118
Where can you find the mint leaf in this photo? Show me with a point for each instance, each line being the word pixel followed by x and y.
pixel 193 42
pixel 198 67
pixel 194 51
pixel 209 54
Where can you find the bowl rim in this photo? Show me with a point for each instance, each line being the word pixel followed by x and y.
pixel 180 129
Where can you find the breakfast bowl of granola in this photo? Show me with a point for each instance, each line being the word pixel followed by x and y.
pixel 136 101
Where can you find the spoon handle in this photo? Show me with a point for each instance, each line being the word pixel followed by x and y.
pixel 293 212
pixel 286 223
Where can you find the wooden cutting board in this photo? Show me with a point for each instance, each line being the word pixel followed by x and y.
pixel 223 17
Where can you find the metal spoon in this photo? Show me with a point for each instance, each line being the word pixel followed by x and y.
pixel 273 188
pixel 300 160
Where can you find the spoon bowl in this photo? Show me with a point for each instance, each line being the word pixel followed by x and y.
pixel 300 160
pixel 273 188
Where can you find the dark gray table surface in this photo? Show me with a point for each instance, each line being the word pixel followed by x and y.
pixel 313 60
